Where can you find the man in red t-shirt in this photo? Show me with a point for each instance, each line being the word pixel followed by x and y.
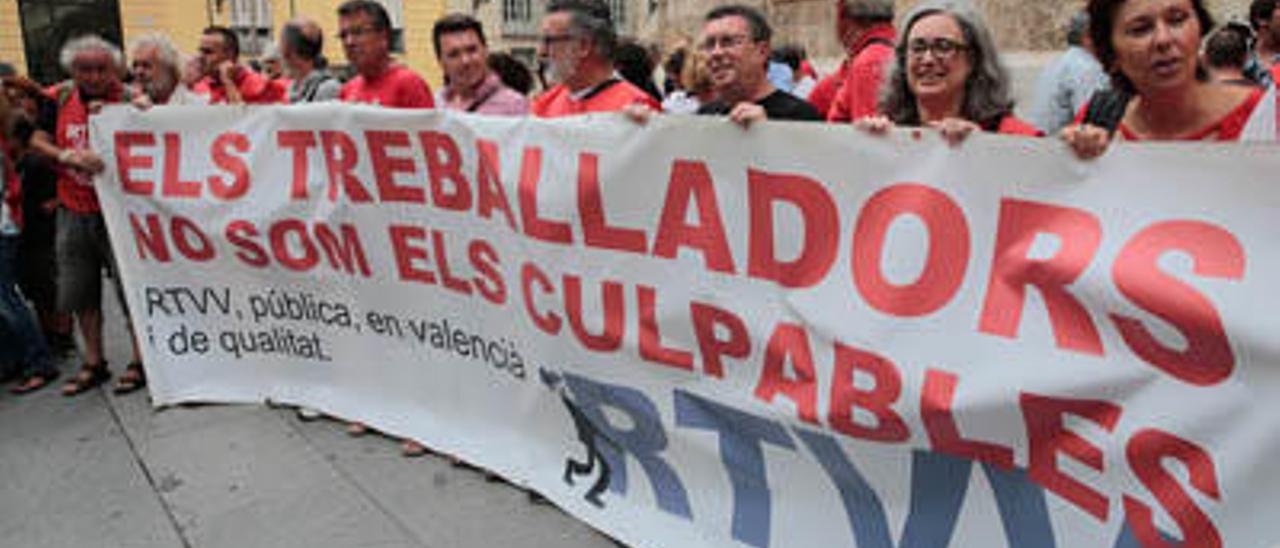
pixel 364 28
pixel 365 31
pixel 577 47
pixel 82 246
pixel 865 27
pixel 229 82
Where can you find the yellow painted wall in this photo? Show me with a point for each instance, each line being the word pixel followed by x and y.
pixel 11 50
pixel 181 21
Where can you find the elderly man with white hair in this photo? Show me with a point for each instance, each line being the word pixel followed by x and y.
pixel 83 249
pixel 157 71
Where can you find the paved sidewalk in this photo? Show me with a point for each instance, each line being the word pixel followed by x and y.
pixel 102 470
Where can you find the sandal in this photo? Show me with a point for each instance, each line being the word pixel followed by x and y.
pixel 133 378
pixel 34 382
pixel 89 377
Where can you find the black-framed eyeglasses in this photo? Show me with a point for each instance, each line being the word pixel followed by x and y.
pixel 943 48
pixel 724 41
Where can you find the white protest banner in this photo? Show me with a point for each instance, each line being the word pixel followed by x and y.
pixel 690 334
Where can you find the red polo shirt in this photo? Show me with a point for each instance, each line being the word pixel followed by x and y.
pixel 859 94
pixel 397 87
pixel 610 96
pixel 254 88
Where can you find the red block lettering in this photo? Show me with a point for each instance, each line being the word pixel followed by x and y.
pixel 300 142
pixel 651 348
pixel 1012 271
pixel 945 266
pixel 447 279
pixel 596 231
pixel 174 186
pixel 614 314
pixel 790 343
pixel 1207 359
pixel 340 158
pixel 240 233
pixel 1048 438
pixel 489 281
pixel 127 162
pixel 386 166
pixel 821 226
pixel 845 397
pixel 549 322
pixel 444 163
pixel 691 182
pixel 406 242
pixel 940 423
pixel 712 348
pixel 223 147
pixel 534 226
pixel 1146 452
pixel 489 192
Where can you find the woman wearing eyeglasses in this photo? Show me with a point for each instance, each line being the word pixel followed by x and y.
pixel 1151 48
pixel 947 75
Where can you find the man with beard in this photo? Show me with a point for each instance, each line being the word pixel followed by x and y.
pixel 157 73
pixel 470 85
pixel 577 46
pixel 735 42
pixel 365 31
pixel 83 249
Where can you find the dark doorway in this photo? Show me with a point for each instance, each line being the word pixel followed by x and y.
pixel 48 24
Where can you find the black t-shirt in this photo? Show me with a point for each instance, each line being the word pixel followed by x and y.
pixel 39 177
pixel 778 105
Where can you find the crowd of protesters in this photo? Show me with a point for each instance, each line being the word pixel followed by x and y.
pixel 1134 70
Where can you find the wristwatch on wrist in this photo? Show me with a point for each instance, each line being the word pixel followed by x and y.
pixel 65 155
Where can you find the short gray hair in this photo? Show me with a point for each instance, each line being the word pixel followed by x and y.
pixel 592 19
pixel 87 43
pixel 986 94
pixel 168 53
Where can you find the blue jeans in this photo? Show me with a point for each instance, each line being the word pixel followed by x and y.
pixel 22 336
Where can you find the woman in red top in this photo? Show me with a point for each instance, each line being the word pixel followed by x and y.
pixel 947 75
pixel 1151 48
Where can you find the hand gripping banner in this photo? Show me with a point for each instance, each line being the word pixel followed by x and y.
pixel 690 334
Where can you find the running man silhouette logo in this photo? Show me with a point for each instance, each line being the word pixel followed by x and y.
pixel 589 435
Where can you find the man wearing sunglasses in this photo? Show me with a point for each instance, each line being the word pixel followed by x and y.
pixel 735 44
pixel 578 40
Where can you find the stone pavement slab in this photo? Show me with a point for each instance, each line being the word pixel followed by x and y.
pixel 106 470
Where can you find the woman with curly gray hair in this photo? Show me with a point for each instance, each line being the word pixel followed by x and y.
pixel 947 75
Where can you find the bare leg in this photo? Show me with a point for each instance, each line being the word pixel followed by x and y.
pixel 91 330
